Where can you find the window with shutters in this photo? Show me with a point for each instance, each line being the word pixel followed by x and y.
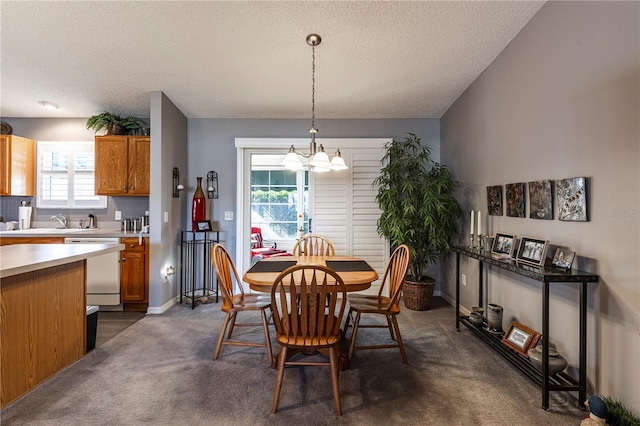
pixel 66 176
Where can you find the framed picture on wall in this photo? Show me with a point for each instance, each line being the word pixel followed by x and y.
pixel 572 199
pixel 532 251
pixel 540 200
pixel 515 199
pixel 494 200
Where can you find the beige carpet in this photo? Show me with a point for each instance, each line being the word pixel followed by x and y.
pixel 159 372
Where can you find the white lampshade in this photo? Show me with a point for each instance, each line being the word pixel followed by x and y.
pixel 292 161
pixel 337 162
pixel 321 159
pixel 321 169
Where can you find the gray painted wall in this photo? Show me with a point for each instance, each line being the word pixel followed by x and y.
pixel 562 100
pixel 212 147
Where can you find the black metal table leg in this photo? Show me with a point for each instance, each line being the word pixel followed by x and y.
pixel 545 345
pixel 458 291
pixel 582 374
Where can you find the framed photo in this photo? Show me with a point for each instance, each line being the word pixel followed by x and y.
pixel 563 258
pixel 203 225
pixel 515 199
pixel 520 338
pixel 572 199
pixel 503 245
pixel 494 200
pixel 540 200
pixel 532 251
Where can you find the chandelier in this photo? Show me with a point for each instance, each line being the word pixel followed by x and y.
pixel 318 159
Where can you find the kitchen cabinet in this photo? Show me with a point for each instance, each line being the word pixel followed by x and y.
pixel 5 241
pixel 122 165
pixel 134 274
pixel 17 165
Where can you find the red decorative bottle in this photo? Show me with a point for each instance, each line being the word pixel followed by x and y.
pixel 198 207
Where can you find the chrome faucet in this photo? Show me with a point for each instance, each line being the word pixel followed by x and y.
pixel 60 218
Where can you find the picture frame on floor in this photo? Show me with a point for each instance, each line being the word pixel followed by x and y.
pixel 520 338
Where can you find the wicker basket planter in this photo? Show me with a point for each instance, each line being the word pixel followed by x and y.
pixel 419 295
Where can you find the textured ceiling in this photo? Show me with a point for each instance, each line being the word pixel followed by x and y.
pixel 249 59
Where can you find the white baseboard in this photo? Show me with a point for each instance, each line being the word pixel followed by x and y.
pixel 163 308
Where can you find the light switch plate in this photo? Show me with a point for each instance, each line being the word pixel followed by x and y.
pixel 118 215
pixel 166 217
pixel 228 215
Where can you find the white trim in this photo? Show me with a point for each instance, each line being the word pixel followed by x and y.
pixel 162 309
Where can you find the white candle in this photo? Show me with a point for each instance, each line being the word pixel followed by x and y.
pixel 472 222
pixel 479 224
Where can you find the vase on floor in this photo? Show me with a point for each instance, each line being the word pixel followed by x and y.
pixel 198 206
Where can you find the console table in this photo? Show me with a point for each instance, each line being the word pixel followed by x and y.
pixel 546 275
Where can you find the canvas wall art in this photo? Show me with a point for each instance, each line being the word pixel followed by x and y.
pixel 540 200
pixel 515 199
pixel 494 200
pixel 572 199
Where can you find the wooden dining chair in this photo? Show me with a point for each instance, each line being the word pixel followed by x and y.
pixel 313 245
pixel 308 303
pixel 380 304
pixel 234 302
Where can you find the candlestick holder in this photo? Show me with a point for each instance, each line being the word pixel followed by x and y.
pixel 480 242
pixel 471 240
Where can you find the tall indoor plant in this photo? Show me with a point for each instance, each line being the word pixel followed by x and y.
pixel 416 196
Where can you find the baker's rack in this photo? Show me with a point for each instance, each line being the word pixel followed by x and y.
pixel 198 281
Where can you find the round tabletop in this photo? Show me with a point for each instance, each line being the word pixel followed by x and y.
pixel 355 272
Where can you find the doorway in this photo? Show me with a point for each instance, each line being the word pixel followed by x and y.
pixel 340 204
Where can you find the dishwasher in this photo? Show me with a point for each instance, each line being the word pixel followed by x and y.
pixel 103 273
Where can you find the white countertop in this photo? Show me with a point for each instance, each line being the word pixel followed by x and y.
pixel 21 258
pixel 69 232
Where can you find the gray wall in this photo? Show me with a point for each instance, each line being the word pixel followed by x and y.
pixel 168 150
pixel 212 147
pixel 562 100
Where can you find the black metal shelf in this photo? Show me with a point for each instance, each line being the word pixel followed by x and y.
pixel 546 276
pixel 560 381
pixel 197 279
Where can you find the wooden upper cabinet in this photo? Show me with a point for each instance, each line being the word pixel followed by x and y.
pixel 122 165
pixel 17 165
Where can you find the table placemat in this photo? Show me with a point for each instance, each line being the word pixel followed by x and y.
pixel 348 265
pixel 272 266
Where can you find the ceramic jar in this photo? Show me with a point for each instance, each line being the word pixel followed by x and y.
pixel 494 318
pixel 475 316
pixel 557 362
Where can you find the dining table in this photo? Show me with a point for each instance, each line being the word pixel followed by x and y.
pixel 356 273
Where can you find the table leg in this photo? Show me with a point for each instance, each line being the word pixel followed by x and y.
pixel 545 345
pixel 458 291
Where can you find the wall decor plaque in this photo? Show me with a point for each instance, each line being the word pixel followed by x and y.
pixel 515 199
pixel 541 200
pixel 572 199
pixel 494 200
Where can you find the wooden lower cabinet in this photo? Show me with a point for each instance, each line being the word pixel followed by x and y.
pixel 5 241
pixel 134 275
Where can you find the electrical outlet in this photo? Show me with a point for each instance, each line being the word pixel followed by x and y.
pixel 118 215
pixel 228 215
pixel 166 217
pixel 464 280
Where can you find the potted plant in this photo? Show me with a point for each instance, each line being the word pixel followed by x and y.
pixel 416 196
pixel 114 124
